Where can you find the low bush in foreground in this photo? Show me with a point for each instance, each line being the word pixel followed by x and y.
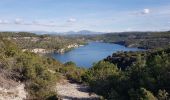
pixel 35 71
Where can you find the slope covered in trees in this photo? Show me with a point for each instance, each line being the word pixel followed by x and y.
pixel 49 43
pixel 146 40
pixel 147 78
pixel 121 76
pixel 39 73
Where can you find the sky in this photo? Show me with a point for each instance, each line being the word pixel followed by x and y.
pixel 76 15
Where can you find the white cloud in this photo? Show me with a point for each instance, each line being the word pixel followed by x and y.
pixel 46 24
pixel 35 22
pixel 4 22
pixel 18 21
pixel 142 12
pixel 129 29
pixel 71 20
pixel 1 21
pixel 146 11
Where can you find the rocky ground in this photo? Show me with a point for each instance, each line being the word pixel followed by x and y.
pixel 11 89
pixel 14 93
pixel 73 91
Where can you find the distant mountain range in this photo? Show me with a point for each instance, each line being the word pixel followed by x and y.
pixel 82 32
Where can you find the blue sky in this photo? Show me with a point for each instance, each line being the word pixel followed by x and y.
pixel 75 15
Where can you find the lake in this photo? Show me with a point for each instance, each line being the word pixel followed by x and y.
pixel 86 55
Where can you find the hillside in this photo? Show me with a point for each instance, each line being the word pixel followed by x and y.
pixel 146 40
pixel 43 43
pixel 121 76
pixel 38 74
pixel 132 76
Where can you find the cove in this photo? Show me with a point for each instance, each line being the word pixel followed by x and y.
pixel 86 55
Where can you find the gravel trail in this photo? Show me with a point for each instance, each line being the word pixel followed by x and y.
pixel 74 91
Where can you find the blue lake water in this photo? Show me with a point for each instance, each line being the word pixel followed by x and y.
pixel 86 55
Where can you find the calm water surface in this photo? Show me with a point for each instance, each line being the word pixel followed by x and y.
pixel 85 56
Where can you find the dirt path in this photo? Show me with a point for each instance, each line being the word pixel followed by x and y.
pixel 14 93
pixel 73 91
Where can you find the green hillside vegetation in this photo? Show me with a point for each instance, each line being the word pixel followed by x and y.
pixel 126 59
pixel 49 42
pixel 17 34
pixel 147 78
pixel 40 74
pixel 72 72
pixel 29 69
pixel 141 75
pixel 146 40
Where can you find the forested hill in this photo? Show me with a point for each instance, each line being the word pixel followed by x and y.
pixel 17 34
pixel 132 76
pixel 45 43
pixel 38 74
pixel 146 40
pixel 121 76
pixel 140 75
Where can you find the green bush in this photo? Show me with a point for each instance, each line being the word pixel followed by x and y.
pixel 72 72
pixel 141 81
pixel 33 70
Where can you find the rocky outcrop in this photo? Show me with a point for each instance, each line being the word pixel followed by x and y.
pixel 45 51
pixel 38 50
pixel 14 93
pixel 10 89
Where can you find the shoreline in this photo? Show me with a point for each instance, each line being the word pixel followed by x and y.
pixel 122 43
pixel 128 46
pixel 59 51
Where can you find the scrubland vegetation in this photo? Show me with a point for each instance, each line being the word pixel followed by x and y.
pixel 51 43
pixel 38 73
pixel 142 75
pixel 147 78
pixel 146 40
